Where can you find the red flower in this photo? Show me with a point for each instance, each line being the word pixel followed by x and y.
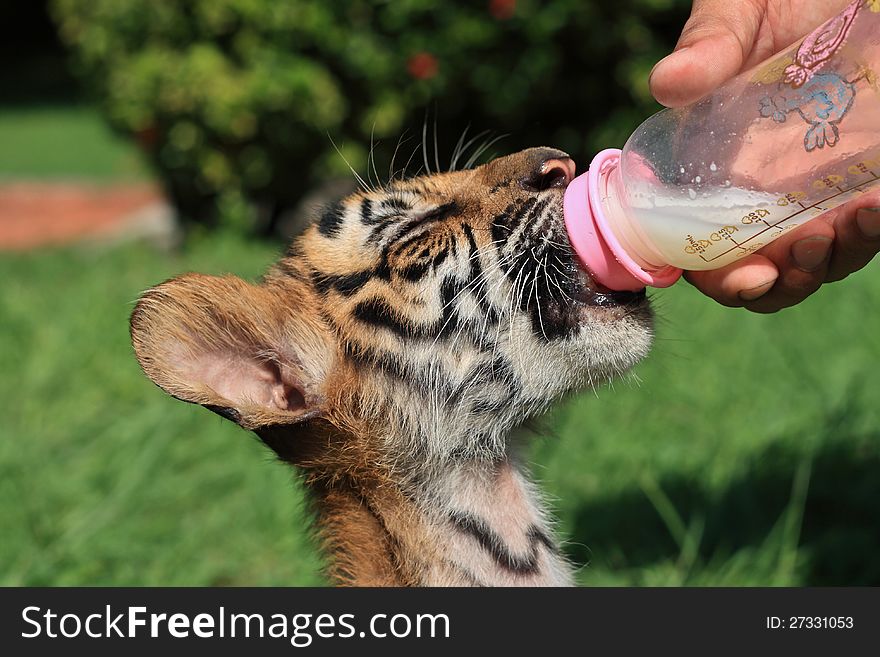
pixel 422 66
pixel 147 137
pixel 502 9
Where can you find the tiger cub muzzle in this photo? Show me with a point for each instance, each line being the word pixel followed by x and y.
pixel 533 227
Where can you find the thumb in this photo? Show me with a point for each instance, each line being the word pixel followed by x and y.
pixel 713 45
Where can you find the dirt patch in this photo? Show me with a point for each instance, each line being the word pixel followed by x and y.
pixel 40 214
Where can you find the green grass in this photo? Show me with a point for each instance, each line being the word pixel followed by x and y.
pixel 749 453
pixel 64 142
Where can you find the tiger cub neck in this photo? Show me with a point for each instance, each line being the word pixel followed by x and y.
pixel 473 524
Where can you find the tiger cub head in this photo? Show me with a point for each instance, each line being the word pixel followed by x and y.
pixel 411 324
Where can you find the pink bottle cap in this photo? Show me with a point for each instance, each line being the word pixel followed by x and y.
pixel 595 245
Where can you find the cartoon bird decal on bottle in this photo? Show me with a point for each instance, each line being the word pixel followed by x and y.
pixel 822 103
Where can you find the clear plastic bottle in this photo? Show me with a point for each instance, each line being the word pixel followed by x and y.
pixel 702 186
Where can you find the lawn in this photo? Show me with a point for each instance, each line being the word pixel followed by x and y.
pixel 64 142
pixel 748 453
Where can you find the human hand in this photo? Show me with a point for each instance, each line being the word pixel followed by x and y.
pixel 721 39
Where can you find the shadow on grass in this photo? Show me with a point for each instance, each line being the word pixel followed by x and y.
pixel 827 500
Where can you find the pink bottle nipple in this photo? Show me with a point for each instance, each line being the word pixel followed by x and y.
pixel 598 250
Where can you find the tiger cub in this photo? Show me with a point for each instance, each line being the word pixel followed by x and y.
pixel 390 354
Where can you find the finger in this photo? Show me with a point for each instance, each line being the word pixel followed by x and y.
pixel 858 241
pixel 802 258
pixel 779 276
pixel 738 283
pixel 714 43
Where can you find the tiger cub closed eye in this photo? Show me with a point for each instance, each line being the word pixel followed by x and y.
pixel 390 354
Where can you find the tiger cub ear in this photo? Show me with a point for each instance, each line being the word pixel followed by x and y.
pixel 240 350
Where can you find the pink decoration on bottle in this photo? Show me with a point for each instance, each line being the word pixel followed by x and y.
pixel 820 45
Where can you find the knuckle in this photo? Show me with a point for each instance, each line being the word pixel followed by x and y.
pixel 800 285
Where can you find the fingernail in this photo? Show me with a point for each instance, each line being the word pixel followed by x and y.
pixel 758 291
pixel 868 221
pixel 811 252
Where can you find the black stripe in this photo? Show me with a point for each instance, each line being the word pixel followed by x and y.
pixel 484 375
pixel 411 243
pixel 505 223
pixel 367 211
pixel 503 183
pixel 441 256
pixel 403 231
pixel 395 203
pixel 469 577
pixel 497 370
pixel 472 243
pixel 491 406
pixel 331 220
pixel 416 186
pixel 425 377
pixel 423 262
pixel 439 213
pixel 376 312
pixel 405 372
pixel 345 284
pixel 538 210
pixel 450 289
pixel 383 269
pixel 500 231
pixel 477 282
pixel 287 266
pixel 379 226
pixel 479 445
pixel 415 271
pixel 497 549
pixel 442 212
pixel 450 321
pixel 521 212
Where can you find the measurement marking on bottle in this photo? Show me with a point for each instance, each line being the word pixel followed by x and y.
pixel 818 205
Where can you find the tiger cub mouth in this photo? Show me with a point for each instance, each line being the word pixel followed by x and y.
pixel 571 296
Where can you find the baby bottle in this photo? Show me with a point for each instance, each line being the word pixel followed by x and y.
pixel 702 186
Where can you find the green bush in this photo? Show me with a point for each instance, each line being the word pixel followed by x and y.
pixel 238 100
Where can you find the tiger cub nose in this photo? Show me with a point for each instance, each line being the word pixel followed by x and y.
pixel 549 168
